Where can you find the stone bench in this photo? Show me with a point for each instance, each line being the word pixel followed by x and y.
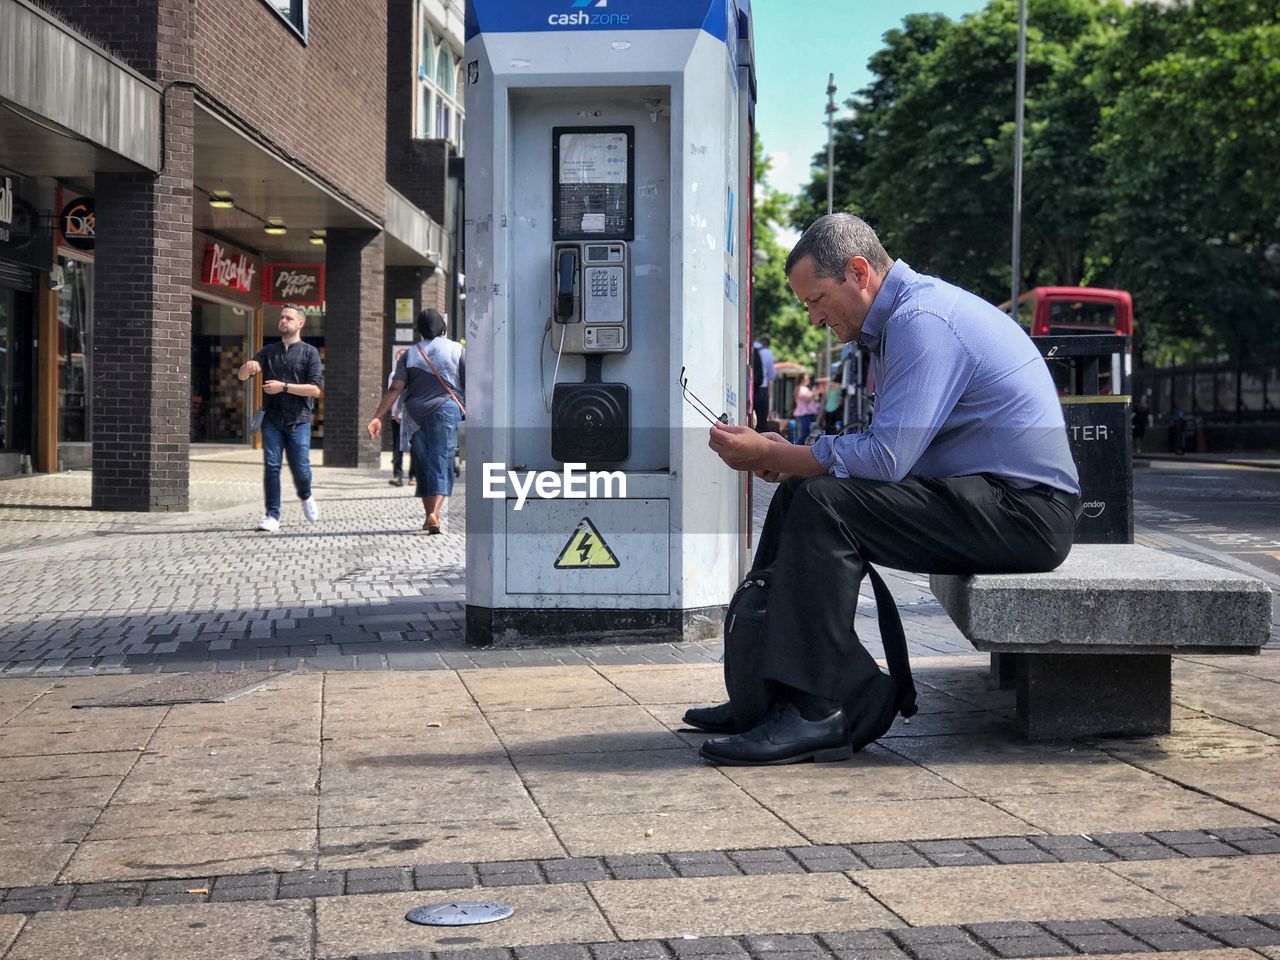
pixel 1089 645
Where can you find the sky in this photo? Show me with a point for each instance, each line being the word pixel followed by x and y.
pixel 795 51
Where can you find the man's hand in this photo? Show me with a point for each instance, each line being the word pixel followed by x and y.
pixel 251 368
pixel 773 476
pixel 739 447
pixel 375 428
pixel 273 386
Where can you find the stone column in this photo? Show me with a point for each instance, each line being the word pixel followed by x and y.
pixel 353 337
pixel 142 327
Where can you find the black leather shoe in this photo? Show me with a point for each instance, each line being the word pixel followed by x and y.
pixel 717 719
pixel 783 737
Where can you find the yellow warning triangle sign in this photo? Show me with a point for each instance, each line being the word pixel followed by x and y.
pixel 586 548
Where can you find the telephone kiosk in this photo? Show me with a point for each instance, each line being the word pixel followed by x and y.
pixel 607 247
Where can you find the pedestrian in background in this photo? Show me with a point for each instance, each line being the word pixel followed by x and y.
pixel 429 381
pixel 399 434
pixel 292 380
pixel 762 375
pixel 805 406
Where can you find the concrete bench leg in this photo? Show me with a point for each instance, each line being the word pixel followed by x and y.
pixel 1004 671
pixel 1076 695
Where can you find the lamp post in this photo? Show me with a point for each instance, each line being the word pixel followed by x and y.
pixel 831 185
pixel 1019 98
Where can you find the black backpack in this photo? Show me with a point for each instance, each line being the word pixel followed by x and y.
pixel 870 698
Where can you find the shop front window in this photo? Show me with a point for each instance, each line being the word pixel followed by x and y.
pixel 6 362
pixel 220 338
pixel 75 325
pixel 17 362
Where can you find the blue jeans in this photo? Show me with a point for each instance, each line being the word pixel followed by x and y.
pixel 433 449
pixel 294 442
pixel 803 425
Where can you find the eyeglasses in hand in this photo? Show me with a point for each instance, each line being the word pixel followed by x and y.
pixel 697 404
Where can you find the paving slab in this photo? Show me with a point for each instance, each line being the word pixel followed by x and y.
pixel 630 782
pixel 374 923
pixel 675 683
pixel 68 766
pixel 416 803
pixel 1058 891
pixel 579 730
pixel 9 927
pixel 742 826
pixel 192 855
pixel 1232 696
pixel 72 737
pixel 542 687
pixel 1211 885
pixel 871 774
pixel 244 931
pixel 206 815
pixel 32 864
pixel 222 732
pixel 872 821
pixel 1157 805
pixel 448 841
pixel 51 825
pixel 734 906
pixel 33 795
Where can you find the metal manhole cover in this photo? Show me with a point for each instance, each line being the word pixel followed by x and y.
pixel 459 913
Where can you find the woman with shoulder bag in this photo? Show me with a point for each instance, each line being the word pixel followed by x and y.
pixel 429 380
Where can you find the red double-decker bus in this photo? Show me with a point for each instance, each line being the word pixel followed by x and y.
pixel 1060 311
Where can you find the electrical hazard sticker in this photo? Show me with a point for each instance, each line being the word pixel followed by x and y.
pixel 586 548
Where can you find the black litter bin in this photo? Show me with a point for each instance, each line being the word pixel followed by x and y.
pixel 1097 408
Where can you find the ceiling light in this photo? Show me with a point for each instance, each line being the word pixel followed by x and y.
pixel 317 237
pixel 275 227
pixel 221 199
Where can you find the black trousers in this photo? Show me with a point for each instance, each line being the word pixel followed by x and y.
pixel 820 532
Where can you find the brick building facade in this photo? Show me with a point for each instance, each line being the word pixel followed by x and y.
pixel 247 116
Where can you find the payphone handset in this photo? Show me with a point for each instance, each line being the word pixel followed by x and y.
pixel 591 299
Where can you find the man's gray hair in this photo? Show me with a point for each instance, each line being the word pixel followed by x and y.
pixel 832 241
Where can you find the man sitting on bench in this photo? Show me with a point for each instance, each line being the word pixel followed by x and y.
pixel 965 469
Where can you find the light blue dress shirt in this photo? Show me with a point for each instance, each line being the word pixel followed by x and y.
pixel 960 390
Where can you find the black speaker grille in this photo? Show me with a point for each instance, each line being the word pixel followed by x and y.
pixel 591 423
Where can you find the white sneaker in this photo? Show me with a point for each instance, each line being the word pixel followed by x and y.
pixel 269 524
pixel 311 509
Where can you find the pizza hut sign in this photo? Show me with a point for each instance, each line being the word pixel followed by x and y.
pixel 228 268
pixel 300 283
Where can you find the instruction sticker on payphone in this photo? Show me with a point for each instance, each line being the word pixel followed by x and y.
pixel 591 298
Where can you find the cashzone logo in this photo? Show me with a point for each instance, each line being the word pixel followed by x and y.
pixel 582 18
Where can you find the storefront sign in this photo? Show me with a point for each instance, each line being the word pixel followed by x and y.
pixel 25 236
pixel 300 283
pixel 18 219
pixel 77 224
pixel 228 268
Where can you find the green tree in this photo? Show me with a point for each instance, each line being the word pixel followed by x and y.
pixel 1191 151
pixel 927 156
pixel 774 310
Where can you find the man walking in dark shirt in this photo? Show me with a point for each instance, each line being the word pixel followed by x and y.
pixel 291 382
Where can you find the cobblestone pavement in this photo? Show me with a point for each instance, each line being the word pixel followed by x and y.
pixel 90 592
